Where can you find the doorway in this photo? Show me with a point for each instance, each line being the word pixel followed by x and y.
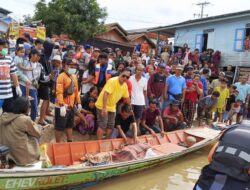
pixel 205 40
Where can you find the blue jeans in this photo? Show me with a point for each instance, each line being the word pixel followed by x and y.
pixel 33 94
pixel 155 128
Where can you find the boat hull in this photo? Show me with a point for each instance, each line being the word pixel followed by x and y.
pixel 79 178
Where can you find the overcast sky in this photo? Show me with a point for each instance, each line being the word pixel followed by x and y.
pixel 133 14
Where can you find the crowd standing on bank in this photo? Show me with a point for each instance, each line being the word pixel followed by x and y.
pixel 111 93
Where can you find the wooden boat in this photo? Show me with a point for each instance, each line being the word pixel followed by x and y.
pixel 78 177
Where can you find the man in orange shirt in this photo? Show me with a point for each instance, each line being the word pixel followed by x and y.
pixel 67 96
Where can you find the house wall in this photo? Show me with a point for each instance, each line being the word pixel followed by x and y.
pixel 224 33
pixel 223 38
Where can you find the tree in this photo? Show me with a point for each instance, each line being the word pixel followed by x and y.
pixel 79 19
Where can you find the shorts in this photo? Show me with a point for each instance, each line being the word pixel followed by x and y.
pixel 43 92
pixel 218 110
pixel 226 115
pixel 62 123
pixel 105 122
pixel 137 111
pixel 242 109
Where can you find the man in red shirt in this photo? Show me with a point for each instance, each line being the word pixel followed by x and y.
pixel 193 92
pixel 173 118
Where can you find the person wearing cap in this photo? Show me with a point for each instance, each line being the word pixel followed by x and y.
pixel 95 54
pixel 173 117
pixel 151 117
pixel 175 86
pixel 7 74
pixel 56 69
pixel 189 73
pixel 156 84
pixel 115 89
pixel 216 82
pixel 103 71
pixel 67 99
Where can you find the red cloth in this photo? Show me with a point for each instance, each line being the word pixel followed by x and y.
pixel 192 96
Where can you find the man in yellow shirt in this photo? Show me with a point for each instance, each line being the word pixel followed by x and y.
pixel 222 100
pixel 115 89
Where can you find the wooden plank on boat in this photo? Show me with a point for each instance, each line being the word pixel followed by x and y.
pixel 204 132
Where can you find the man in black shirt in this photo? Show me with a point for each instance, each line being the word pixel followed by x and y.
pixel 125 125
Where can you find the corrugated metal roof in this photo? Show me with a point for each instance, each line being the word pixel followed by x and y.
pixel 203 20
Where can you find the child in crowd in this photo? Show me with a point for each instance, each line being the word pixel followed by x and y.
pixel 21 69
pixel 173 117
pixel 235 109
pixel 93 93
pixel 85 119
pixel 222 100
pixel 231 99
pixel 205 106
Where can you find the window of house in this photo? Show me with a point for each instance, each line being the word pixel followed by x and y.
pixel 242 39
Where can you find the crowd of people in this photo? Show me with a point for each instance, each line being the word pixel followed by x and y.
pixel 110 93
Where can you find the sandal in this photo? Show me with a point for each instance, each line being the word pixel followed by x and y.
pixel 42 123
pixel 48 121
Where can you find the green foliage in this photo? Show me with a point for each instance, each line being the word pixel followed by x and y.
pixel 80 19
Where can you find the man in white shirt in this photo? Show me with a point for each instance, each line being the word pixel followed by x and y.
pixel 139 92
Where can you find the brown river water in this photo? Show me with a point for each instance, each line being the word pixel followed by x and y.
pixel 180 174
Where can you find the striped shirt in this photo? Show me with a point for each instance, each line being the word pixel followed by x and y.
pixel 7 67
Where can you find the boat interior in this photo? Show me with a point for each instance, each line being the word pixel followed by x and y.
pixel 172 142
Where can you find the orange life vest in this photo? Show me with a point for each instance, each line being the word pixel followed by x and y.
pixel 107 73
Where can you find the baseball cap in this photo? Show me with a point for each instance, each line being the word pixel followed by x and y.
pixel 222 73
pixel 97 49
pixel 87 46
pixel 153 101
pixel 179 67
pixel 57 58
pixel 57 44
pixel 69 61
pixel 175 103
pixel 162 65
pixel 190 67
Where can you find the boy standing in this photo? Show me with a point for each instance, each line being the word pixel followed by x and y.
pixel 206 105
pixel 222 100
